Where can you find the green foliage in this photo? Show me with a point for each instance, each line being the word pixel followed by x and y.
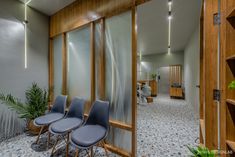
pixel 13 103
pixel 35 105
pixel 232 85
pixel 201 152
pixel 154 76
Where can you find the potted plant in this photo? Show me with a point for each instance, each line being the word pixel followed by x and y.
pixel 232 85
pixel 201 151
pixel 34 106
pixel 154 76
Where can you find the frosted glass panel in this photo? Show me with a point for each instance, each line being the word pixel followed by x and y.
pixel 121 138
pixel 57 52
pixel 79 63
pixel 118 60
pixel 97 58
pixel 118 66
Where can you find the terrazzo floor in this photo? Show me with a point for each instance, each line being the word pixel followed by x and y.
pixel 25 146
pixel 165 128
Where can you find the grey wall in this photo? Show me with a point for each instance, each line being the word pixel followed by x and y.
pixel 192 70
pixel 152 62
pixel 163 59
pixel 164 83
pixel 14 78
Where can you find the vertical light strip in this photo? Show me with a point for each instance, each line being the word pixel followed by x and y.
pixel 169 37
pixel 169 26
pixel 25 34
pixel 140 55
pixel 25 50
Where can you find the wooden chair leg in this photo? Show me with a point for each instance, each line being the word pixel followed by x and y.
pixel 77 153
pixel 53 149
pixel 92 153
pixel 105 148
pixel 67 145
pixel 37 140
pixel 48 139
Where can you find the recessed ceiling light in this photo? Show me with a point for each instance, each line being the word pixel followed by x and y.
pixel 169 26
pixel 27 2
pixel 169 2
pixel 169 16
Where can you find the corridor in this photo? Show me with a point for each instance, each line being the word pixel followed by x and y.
pixel 165 128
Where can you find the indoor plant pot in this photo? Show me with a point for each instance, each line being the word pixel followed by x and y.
pixel 33 129
pixel 35 105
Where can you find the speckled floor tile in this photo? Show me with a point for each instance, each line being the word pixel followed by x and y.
pixel 21 146
pixel 165 128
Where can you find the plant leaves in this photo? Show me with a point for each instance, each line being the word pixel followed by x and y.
pixel 35 105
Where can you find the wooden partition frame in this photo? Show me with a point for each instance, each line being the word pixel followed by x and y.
pixel 209 48
pixel 134 80
pixel 119 7
pixel 202 79
pixel 82 12
pixel 51 72
pixel 64 61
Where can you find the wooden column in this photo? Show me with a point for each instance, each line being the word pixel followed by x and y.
pixel 134 79
pixel 64 64
pixel 202 79
pixel 51 72
pixel 210 50
pixel 92 51
pixel 102 61
pixel 223 78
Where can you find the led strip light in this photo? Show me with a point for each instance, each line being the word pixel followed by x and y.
pixel 169 26
pixel 25 34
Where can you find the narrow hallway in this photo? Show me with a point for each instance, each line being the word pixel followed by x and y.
pixel 165 128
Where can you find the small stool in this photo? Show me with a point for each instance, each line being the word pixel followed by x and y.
pixel 149 99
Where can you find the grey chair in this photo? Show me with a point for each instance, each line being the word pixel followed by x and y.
pixel 73 119
pixel 95 129
pixel 57 112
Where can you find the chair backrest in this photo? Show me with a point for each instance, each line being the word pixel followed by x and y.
pixel 99 114
pixel 59 104
pixel 76 108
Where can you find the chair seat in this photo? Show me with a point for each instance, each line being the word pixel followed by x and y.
pixel 48 118
pixel 88 135
pixel 64 125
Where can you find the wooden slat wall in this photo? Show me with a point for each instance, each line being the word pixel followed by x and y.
pixel 82 12
pixel 175 74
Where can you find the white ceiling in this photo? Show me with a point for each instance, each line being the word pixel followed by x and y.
pixel 153 25
pixel 152 22
pixel 48 7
